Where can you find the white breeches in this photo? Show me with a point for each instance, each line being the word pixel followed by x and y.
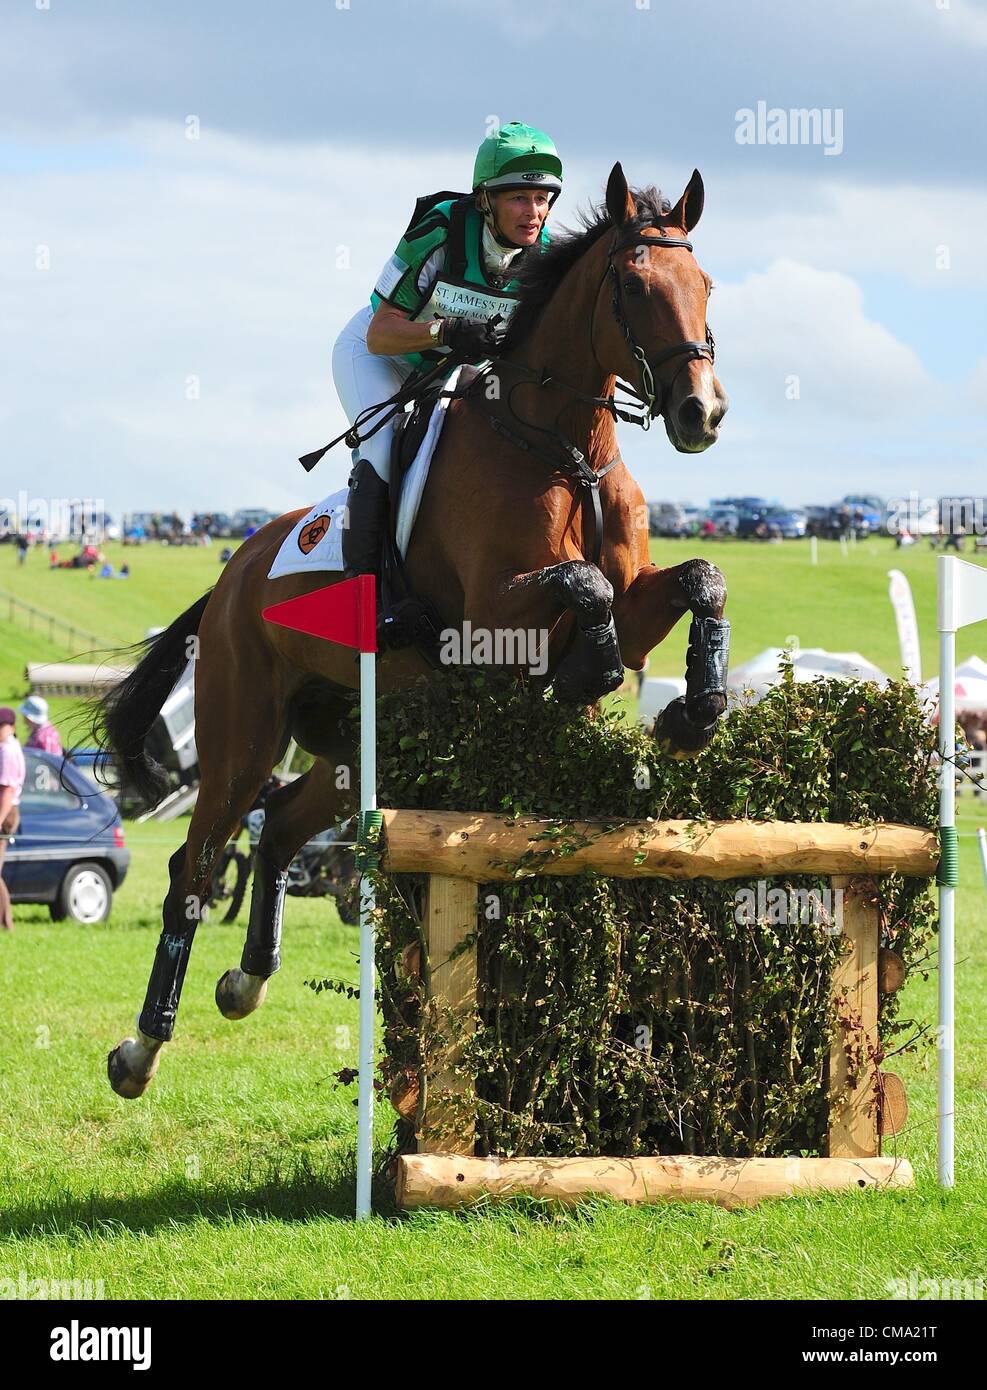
pixel 363 378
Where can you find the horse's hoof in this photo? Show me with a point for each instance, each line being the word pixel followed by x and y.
pixel 238 994
pixel 131 1066
pixel 677 736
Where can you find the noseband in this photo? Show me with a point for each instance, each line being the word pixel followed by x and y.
pixel 650 390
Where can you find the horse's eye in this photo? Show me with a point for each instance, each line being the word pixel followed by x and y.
pixel 633 285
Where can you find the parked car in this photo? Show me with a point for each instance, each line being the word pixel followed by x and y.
pixel 216 524
pixel 742 504
pixel 790 521
pixel 826 522
pixel 725 519
pixel 868 514
pixel 250 519
pixel 667 519
pixel 69 850
pixel 750 522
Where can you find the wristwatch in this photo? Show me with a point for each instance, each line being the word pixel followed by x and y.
pixel 435 330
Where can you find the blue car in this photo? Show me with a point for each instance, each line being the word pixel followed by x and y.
pixel 69 850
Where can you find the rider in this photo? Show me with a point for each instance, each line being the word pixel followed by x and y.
pixel 454 270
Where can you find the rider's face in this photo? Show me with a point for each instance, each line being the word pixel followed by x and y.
pixel 521 213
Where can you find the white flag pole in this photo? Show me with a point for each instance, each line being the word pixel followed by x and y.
pixel 948 577
pixel 347 613
pixel 368 802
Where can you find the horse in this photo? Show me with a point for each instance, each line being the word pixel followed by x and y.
pixel 529 520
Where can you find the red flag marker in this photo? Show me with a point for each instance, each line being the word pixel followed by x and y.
pixel 345 613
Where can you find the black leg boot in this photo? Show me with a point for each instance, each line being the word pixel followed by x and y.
pixel 366 520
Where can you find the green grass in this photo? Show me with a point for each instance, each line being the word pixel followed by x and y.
pixel 773 593
pixel 164 581
pixel 233 1176
pixel 841 603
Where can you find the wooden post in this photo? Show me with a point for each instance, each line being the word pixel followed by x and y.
pixel 450 915
pixel 853 1116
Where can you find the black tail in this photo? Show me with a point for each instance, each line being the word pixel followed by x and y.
pixel 123 717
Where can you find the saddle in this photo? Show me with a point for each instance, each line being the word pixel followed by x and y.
pixel 406 620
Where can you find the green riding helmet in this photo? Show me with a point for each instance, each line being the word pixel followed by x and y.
pixel 518 156
pixel 515 156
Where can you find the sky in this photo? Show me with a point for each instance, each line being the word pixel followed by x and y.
pixel 196 198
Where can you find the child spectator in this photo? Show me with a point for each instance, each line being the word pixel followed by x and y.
pixel 41 733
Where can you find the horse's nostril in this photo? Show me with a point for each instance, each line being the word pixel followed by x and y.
pixel 692 413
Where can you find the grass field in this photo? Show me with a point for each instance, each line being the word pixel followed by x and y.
pixel 774 593
pixel 233 1176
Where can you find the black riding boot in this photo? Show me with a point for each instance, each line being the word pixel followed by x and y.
pixel 366 520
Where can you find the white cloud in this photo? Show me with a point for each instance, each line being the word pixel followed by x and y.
pixel 793 320
pixel 961 21
pixel 217 259
pixel 887 229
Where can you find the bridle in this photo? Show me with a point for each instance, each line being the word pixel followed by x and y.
pixel 649 391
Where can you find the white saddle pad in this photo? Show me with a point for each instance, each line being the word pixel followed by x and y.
pixel 316 542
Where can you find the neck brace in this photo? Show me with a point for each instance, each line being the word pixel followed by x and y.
pixel 496 258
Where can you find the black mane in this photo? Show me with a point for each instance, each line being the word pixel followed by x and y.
pixel 542 272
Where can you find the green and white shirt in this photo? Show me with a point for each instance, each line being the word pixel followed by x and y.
pixel 440 270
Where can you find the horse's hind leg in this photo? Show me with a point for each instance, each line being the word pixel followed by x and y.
pixel 229 787
pixel 292 816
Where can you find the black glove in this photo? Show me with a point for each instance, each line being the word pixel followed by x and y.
pixel 471 339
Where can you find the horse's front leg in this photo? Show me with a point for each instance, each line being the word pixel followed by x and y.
pixel 590 664
pixel 645 614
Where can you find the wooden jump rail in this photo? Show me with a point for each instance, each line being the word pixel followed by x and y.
pixel 459 850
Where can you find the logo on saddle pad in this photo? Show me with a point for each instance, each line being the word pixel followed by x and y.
pixel 315 531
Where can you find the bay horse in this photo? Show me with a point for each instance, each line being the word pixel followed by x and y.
pixel 502 541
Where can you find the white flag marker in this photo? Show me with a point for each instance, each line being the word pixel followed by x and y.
pixel 962 600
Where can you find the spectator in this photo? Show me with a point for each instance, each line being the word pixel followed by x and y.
pixel 11 785
pixel 955 538
pixel 22 547
pixel 42 734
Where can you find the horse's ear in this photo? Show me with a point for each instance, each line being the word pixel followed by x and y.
pixel 689 208
pixel 620 204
